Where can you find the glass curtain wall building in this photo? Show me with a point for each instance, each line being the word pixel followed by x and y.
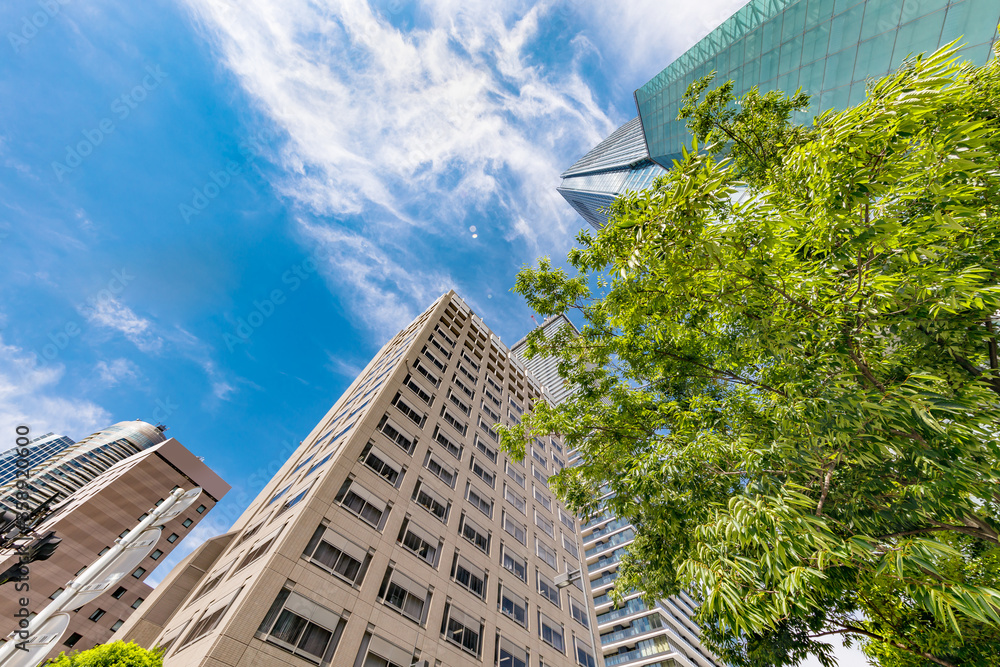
pixel 39 450
pixel 829 48
pixel 616 165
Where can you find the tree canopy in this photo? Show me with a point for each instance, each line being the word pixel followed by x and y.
pixel 788 375
pixel 113 654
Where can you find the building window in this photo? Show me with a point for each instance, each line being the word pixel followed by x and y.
pixel 512 605
pixel 514 563
pixel 404 594
pixel 454 422
pixel 73 639
pixel 300 626
pixel 514 473
pixel 337 555
pixel 539 475
pixel 567 520
pixel 278 495
pixel 446 442
pixel 138 602
pixel 551 632
pixel 479 500
pixel 187 523
pixel 258 550
pixel 156 555
pixel 103 551
pixel 96 616
pixel 545 524
pixel 584 654
pixel 360 501
pixel 394 432
pixel 547 589
pixel 420 368
pixel 412 413
pixel 515 528
pixel 472 532
pixel 510 654
pixel 569 545
pixel 488 450
pixel 419 542
pixel 469 576
pixel 60 590
pixel 488 430
pixel 458 403
pixel 201 509
pixel 210 618
pixel 413 386
pixel 139 571
pixel 542 499
pixel 381 464
pixel 292 502
pixel 515 499
pixel 441 471
pixel 578 611
pixel 482 473
pixel 545 553
pixel 117 624
pixel 172 537
pixel 462 629
pixel 383 653
pixel 431 501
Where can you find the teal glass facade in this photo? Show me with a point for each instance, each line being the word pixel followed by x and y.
pixel 829 48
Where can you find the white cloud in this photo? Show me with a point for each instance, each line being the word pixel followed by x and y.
pixel 111 313
pixel 650 34
pixel 411 131
pixel 118 371
pixel 382 285
pixel 28 395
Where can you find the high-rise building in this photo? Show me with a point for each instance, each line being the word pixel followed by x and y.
pixel 546 369
pixel 39 449
pixel 658 635
pixel 618 164
pixel 397 533
pixel 829 48
pixel 65 472
pixel 95 514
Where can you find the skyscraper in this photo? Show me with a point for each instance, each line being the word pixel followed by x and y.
pixel 829 48
pixel 63 473
pixel 397 533
pixel 658 635
pixel 89 520
pixel 41 448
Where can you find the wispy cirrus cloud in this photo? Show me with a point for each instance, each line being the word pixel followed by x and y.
pixel 391 134
pixel 116 371
pixel 111 313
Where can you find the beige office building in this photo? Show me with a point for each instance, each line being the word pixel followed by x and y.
pixel 95 514
pixel 397 533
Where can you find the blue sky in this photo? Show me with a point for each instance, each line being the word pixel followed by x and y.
pixel 165 167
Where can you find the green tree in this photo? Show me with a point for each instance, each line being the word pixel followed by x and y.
pixel 114 654
pixel 788 372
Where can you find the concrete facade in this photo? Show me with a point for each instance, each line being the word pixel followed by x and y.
pixel 92 519
pixel 397 533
